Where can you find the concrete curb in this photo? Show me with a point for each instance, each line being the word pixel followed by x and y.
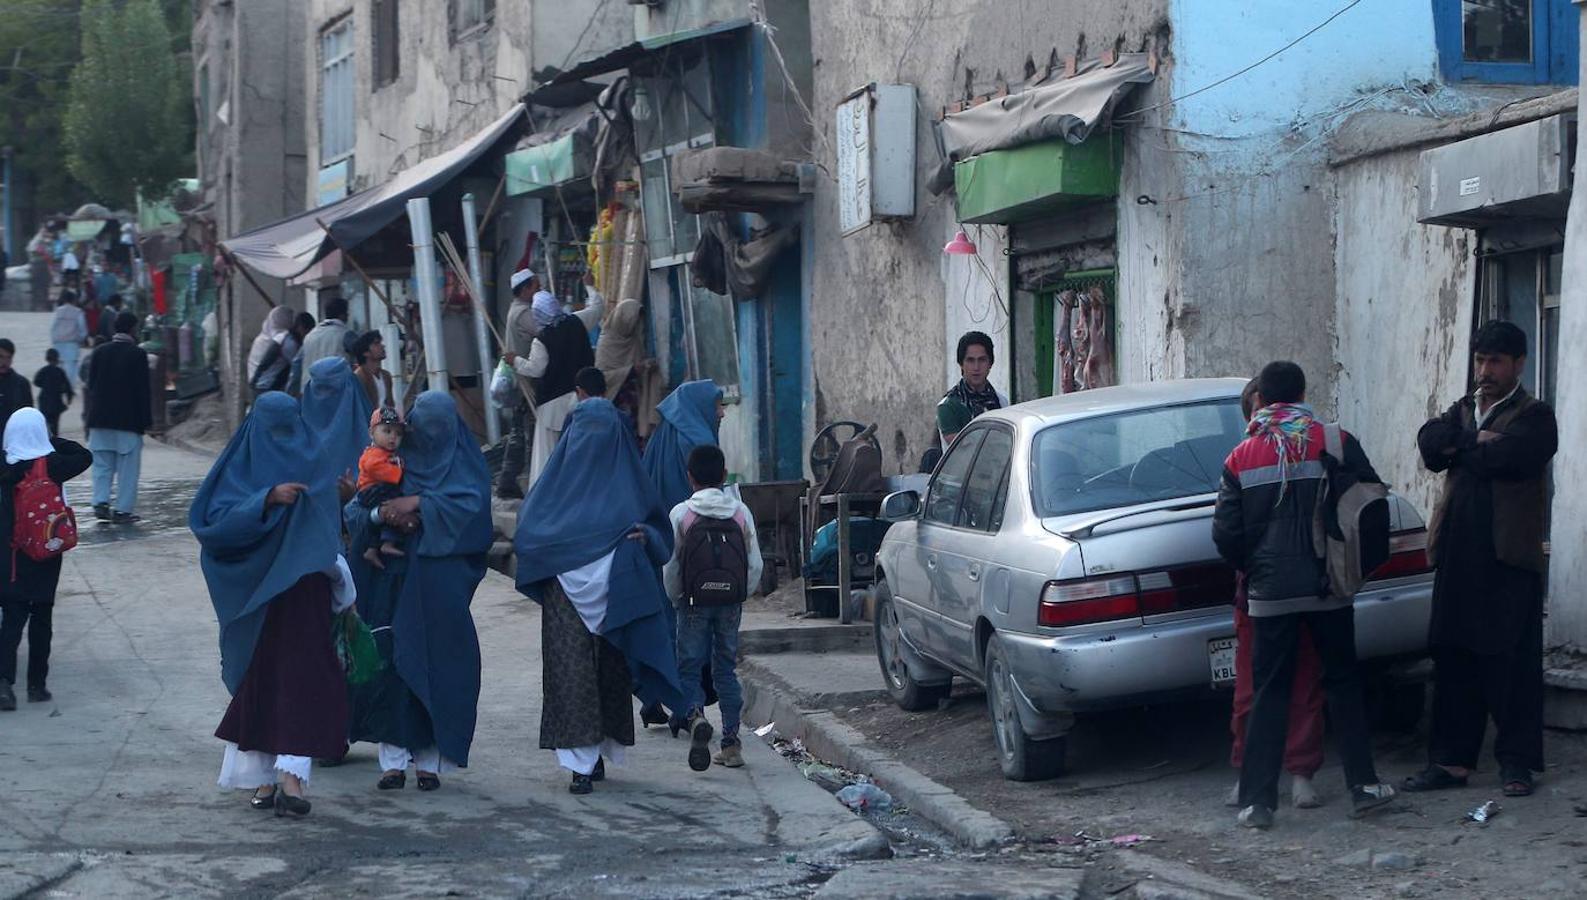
pixel 829 738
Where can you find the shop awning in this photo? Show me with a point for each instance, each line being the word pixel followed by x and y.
pixel 561 149
pixel 547 90
pixel 287 248
pixel 1007 186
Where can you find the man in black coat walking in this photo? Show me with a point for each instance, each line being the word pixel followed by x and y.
pixel 118 415
pixel 15 392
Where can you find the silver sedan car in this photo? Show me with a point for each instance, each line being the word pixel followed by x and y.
pixel 1062 558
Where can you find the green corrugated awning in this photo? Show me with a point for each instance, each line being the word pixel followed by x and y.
pixel 543 167
pixel 1006 186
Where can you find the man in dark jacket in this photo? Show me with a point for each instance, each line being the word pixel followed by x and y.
pixel 118 415
pixel 1263 527
pixel 1486 543
pixel 14 390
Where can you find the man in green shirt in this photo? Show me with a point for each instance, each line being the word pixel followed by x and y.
pixel 974 393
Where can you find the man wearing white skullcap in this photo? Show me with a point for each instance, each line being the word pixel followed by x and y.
pixel 521 331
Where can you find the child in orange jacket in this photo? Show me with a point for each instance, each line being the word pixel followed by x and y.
pixel 380 477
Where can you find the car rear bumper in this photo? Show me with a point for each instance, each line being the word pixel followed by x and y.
pixel 1127 666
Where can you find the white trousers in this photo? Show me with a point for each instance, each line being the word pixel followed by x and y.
pixel 582 760
pixel 397 759
pixel 251 769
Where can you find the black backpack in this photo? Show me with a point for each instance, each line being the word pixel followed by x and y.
pixel 714 561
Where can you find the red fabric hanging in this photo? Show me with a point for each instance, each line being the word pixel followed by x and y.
pixel 157 283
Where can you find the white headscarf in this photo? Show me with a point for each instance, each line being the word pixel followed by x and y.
pixel 27 437
pixel 547 308
pixel 276 324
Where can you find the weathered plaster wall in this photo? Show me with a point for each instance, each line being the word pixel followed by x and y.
pixel 1403 315
pixel 879 322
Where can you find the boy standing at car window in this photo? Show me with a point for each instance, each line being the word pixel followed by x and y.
pixel 1263 527
pixel 1303 744
pixel 1486 544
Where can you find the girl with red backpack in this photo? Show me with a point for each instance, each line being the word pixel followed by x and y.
pixel 37 527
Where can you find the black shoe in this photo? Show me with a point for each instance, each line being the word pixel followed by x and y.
pixel 8 698
pixel 102 512
pixel 600 770
pixel 1433 778
pixel 700 732
pixel 122 518
pixel 1364 798
pixel 429 781
pixel 392 781
pixel 582 784
pixel 653 714
pixel 263 801
pixel 1258 817
pixel 288 806
pixel 39 695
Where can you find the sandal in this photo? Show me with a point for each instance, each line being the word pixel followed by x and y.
pixel 395 781
pixel 1517 781
pixel 1433 778
pixel 263 801
pixel 429 781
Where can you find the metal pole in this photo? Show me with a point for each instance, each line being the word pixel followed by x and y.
pixel 6 224
pixel 424 272
pixel 481 337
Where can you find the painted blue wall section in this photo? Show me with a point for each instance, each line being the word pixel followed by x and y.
pixel 1373 45
pixel 784 307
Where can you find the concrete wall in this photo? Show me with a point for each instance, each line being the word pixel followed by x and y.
pixel 1404 309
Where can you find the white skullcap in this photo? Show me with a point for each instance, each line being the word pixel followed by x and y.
pixel 519 277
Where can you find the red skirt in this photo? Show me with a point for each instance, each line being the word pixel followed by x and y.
pixel 293 699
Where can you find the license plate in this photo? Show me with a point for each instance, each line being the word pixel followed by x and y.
pixel 1220 653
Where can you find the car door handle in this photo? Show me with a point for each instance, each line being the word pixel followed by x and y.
pixel 975 573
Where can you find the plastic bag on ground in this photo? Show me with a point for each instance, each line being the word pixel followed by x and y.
pixel 863 796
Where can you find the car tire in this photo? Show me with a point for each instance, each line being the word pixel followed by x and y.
pixel 1021 757
pixel 908 693
pixel 1397 706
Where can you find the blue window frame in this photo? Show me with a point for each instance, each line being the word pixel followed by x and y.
pixel 1507 41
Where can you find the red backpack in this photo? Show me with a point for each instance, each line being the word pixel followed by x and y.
pixel 44 526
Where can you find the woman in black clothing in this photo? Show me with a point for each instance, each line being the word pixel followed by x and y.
pixel 27 587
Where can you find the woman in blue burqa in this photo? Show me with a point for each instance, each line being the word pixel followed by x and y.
pixel 267 523
pixel 690 417
pixel 592 537
pixel 337 410
pixel 421 709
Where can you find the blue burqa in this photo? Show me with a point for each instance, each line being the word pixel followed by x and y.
pixel 419 604
pixel 688 420
pixel 592 494
pixel 250 554
pixel 337 409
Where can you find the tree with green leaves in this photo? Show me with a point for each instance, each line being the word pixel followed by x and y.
pixel 128 124
pixel 39 45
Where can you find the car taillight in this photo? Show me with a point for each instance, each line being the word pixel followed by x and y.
pixel 1091 600
pixel 1187 587
pixel 1407 556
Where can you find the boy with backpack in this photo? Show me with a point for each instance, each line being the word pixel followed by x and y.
pixel 715 565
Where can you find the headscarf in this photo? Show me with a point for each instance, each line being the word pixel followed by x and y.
pixel 560 529
pixel 337 410
pixel 621 345
pixel 688 420
pixel 26 436
pixel 443 462
pixel 1287 427
pixel 250 554
pixel 547 309
pixel 276 324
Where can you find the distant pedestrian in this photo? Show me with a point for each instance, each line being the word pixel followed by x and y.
pixel 15 392
pixel 68 330
pixel 119 395
pixel 422 709
pixel 715 566
pixel 55 390
pixel 523 326
pixel 369 352
pixel 1303 744
pixel 591 537
pixel 1486 543
pixel 268 528
pixel 560 350
pixel 271 354
pixel 301 326
pixel 111 307
pixel 325 340
pixel 71 268
pixel 27 594
pixel 1263 527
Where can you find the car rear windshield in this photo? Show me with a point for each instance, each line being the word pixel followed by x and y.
pixel 1134 457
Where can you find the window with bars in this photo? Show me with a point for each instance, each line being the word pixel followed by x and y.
pixel 386 42
pixel 337 78
pixel 470 17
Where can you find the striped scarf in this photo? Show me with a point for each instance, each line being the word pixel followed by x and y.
pixel 1287 426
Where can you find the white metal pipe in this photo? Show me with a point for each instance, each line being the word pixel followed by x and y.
pixel 424 274
pixel 481 332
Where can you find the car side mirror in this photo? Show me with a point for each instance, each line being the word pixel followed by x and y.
pixel 900 506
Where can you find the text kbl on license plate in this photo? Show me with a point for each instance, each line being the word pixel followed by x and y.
pixel 1220 653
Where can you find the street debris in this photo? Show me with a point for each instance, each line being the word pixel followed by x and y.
pixel 1483 813
pixel 766 729
pixel 863 796
pixel 1082 839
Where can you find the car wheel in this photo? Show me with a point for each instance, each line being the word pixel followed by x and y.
pixel 1397 706
pixel 905 690
pixel 1022 758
